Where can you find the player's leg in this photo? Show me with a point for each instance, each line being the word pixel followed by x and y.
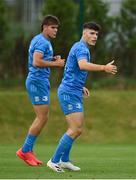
pixel 39 96
pixel 75 123
pixel 26 152
pixel 36 127
pixel 72 106
pixel 42 112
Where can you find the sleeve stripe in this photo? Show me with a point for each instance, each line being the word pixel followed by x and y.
pixel 80 58
pixel 39 51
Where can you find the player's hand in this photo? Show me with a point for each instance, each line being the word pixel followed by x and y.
pixel 110 68
pixel 57 57
pixel 60 62
pixel 86 92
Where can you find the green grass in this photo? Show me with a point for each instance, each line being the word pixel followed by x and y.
pixel 109 117
pixel 96 161
pixel 106 149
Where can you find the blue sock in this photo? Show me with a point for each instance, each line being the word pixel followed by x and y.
pixel 65 156
pixel 29 142
pixel 63 148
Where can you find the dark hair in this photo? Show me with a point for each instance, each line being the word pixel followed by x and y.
pixel 50 20
pixel 92 25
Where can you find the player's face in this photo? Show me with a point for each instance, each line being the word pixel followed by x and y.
pixel 91 36
pixel 51 31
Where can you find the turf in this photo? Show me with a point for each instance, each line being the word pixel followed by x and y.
pixel 109 122
pixel 96 161
pixel 109 117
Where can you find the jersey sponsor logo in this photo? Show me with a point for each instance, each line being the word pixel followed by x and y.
pixel 37 98
pixel 78 105
pixel 45 98
pixel 70 107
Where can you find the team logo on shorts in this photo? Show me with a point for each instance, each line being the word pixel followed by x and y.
pixel 45 98
pixel 37 98
pixel 78 105
pixel 70 107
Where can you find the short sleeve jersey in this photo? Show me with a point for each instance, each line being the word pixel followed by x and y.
pixel 74 78
pixel 39 44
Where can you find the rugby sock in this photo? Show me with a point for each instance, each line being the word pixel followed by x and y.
pixel 63 148
pixel 29 142
pixel 65 156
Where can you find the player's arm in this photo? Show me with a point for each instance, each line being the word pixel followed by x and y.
pixel 38 61
pixel 109 68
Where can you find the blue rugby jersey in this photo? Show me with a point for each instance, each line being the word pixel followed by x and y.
pixel 39 44
pixel 74 78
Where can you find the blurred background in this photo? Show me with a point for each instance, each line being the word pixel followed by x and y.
pixel 21 20
pixel 110 111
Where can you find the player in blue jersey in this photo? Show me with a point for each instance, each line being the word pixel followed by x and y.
pixel 71 92
pixel 37 84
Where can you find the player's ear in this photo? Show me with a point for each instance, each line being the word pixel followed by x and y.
pixel 45 26
pixel 84 32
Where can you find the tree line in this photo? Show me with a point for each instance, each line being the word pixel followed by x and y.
pixel 117 39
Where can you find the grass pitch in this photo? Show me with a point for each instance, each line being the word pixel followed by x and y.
pixel 96 161
pixel 110 121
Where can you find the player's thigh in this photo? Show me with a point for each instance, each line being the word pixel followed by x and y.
pixel 42 111
pixel 75 120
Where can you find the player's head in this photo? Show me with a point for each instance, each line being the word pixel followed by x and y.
pixel 50 26
pixel 90 32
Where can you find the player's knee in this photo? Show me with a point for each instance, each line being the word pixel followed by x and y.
pixel 78 132
pixel 43 118
pixel 74 132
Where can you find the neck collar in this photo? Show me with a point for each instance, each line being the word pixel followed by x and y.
pixel 85 43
